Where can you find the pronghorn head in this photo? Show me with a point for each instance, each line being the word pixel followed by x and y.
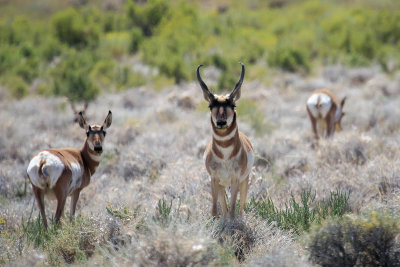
pixel 339 115
pixel 95 133
pixel 222 107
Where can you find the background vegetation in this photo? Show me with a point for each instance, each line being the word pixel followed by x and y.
pixel 89 44
pixel 149 202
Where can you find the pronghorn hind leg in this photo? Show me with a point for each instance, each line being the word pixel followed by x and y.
pixel 243 189
pixel 330 122
pixel 39 196
pixel 313 124
pixel 234 193
pixel 74 201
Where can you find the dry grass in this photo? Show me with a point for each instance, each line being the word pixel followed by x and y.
pixel 154 151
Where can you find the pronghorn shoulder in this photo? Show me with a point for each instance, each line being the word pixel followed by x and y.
pixel 245 142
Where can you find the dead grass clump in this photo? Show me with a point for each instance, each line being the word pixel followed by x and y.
pixel 176 244
pixel 351 150
pixel 139 165
pixel 357 241
pixel 237 235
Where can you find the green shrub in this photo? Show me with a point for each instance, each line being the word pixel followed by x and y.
pixel 357 241
pixel 136 38
pixel 16 85
pixel 299 218
pixel 147 16
pixel 289 58
pixel 71 78
pixel 115 44
pixel 70 28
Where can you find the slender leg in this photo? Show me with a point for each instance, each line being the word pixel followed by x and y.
pixel 330 122
pixel 234 193
pixel 313 124
pixel 222 200
pixel 39 195
pixel 74 200
pixel 243 189
pixel 214 195
pixel 60 208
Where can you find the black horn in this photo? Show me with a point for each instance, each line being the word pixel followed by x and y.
pixel 238 85
pixel 204 87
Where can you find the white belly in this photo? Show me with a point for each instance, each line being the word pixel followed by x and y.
pixel 227 171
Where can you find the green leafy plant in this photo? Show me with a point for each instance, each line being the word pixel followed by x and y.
pixel 299 216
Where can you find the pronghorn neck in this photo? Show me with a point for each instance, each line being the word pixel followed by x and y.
pixel 226 142
pixel 90 157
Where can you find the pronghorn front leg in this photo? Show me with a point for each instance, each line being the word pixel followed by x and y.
pixel 222 200
pixel 74 201
pixel 243 189
pixel 234 193
pixel 214 195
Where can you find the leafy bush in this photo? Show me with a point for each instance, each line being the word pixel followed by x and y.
pixel 71 77
pixel 299 218
pixel 147 16
pixel 289 58
pixel 357 241
pixel 16 86
pixel 70 28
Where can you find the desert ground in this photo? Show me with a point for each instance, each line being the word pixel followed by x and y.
pixel 153 154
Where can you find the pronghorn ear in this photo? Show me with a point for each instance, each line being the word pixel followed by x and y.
pixel 107 121
pixel 82 122
pixel 342 102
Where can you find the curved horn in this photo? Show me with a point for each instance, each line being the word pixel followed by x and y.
pixel 207 94
pixel 236 91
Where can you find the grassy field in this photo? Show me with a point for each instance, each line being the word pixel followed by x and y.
pixel 149 202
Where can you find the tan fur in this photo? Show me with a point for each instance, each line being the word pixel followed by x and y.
pixel 236 161
pixel 229 156
pixel 330 122
pixel 67 156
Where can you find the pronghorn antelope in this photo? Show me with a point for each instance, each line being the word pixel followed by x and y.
pixel 325 112
pixel 229 156
pixel 65 172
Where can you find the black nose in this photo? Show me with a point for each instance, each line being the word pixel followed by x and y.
pixel 98 148
pixel 221 123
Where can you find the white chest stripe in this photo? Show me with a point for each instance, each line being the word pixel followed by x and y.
pixel 51 169
pixel 224 138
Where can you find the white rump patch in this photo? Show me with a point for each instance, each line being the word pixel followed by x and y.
pixel 51 169
pixel 76 177
pixel 319 105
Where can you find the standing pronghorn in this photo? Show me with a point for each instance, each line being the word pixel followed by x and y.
pixel 229 156
pixel 325 112
pixel 65 172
